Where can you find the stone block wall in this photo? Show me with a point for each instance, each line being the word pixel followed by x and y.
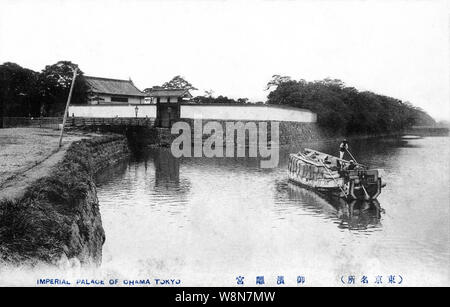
pixel 290 133
pixel 107 150
pixel 58 219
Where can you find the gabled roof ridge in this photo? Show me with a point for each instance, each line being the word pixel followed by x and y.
pixel 113 86
pixel 165 92
pixel 108 79
pixel 166 89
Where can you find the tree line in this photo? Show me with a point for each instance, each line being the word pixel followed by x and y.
pixel 340 108
pixel 179 82
pixel 344 109
pixel 27 93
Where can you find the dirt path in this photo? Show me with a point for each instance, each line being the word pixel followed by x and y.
pixel 27 154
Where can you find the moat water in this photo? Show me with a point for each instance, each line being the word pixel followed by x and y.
pixel 206 221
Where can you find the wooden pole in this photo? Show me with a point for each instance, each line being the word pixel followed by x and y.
pixel 351 155
pixel 1 112
pixel 3 109
pixel 67 106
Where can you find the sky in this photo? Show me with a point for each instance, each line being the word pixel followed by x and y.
pixel 396 48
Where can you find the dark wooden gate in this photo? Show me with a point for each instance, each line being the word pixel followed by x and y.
pixel 167 114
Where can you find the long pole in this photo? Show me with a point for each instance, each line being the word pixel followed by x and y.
pixel 351 155
pixel 1 112
pixel 3 108
pixel 67 106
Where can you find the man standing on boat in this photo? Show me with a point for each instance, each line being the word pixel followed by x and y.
pixel 343 148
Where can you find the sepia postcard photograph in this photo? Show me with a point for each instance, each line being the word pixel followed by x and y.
pixel 251 146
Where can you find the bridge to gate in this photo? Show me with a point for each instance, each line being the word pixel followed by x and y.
pixel 80 122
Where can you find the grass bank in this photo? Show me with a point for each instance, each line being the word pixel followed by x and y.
pixel 58 216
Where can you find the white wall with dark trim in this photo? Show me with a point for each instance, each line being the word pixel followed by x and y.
pixel 219 112
pixel 247 112
pixel 108 111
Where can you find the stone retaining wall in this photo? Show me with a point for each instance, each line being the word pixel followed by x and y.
pixel 289 132
pixel 58 218
pixel 107 150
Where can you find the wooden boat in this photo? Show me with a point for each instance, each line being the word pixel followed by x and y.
pixel 328 174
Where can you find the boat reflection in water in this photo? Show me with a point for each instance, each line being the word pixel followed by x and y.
pixel 353 215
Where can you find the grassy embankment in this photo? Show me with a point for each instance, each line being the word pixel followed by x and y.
pixel 42 195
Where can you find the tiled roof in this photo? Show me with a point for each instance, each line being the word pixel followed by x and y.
pixel 169 93
pixel 113 86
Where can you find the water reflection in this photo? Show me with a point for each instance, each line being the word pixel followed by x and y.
pixel 116 171
pixel 211 216
pixel 359 215
pixel 354 215
pixel 150 177
pixel 167 168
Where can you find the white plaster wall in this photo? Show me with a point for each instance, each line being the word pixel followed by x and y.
pixel 107 99
pixel 135 100
pixel 256 112
pixel 219 112
pixel 112 110
pixel 168 99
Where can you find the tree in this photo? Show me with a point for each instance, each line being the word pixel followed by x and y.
pixel 54 85
pixel 153 88
pixel 219 99
pixel 277 80
pixel 242 100
pixel 343 109
pixel 18 91
pixel 178 82
pixel 209 93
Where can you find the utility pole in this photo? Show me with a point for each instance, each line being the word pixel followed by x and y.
pixel 1 112
pixel 3 96
pixel 67 106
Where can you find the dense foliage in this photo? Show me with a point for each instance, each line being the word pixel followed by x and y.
pixel 18 90
pixel 24 92
pixel 340 108
pixel 54 85
pixel 345 109
pixel 177 82
pixel 219 99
